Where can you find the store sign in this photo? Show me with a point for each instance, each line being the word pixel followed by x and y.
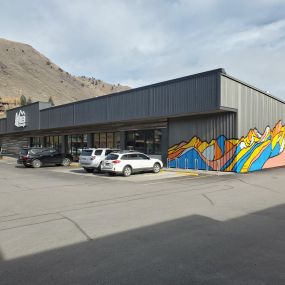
pixel 20 119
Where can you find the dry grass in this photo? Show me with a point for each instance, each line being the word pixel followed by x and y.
pixel 25 71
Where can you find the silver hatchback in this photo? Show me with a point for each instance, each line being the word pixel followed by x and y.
pixel 91 158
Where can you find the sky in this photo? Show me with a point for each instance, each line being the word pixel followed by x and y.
pixel 139 42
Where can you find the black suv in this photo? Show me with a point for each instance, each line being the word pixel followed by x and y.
pixel 37 157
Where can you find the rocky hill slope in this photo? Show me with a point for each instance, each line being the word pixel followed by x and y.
pixel 25 71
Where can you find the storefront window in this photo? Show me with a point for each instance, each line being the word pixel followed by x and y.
pixel 147 141
pixel 96 140
pixel 130 141
pixel 117 139
pixel 110 140
pixel 106 140
pixel 157 141
pixel 35 142
pixel 54 142
pixel 103 139
pixel 75 145
pixel 140 141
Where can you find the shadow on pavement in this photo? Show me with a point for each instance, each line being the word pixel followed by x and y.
pixel 190 250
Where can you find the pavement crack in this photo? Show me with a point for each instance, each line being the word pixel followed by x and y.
pixel 259 186
pixel 211 202
pixel 77 226
pixel 30 224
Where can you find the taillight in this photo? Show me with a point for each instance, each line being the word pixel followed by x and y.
pixel 25 157
pixel 93 157
pixel 116 161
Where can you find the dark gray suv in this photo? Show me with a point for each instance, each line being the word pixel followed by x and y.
pixel 37 157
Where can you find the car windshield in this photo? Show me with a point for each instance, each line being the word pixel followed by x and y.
pixel 35 151
pixel 86 152
pixel 98 151
pixel 112 156
pixel 23 152
pixel 108 151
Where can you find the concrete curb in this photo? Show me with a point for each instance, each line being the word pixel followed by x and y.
pixel 197 172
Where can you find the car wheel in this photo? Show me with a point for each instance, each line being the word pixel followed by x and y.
pixel 89 170
pixel 66 162
pixel 99 169
pixel 156 168
pixel 127 171
pixel 36 163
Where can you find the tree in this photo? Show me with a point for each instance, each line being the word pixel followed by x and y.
pixel 29 101
pixel 50 100
pixel 23 100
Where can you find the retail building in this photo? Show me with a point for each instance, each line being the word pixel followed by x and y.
pixel 209 120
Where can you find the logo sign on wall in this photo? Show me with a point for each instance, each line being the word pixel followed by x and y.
pixel 20 119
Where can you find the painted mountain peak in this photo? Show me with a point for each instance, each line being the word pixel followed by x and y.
pixel 250 153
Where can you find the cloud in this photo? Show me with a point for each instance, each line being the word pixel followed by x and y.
pixel 142 42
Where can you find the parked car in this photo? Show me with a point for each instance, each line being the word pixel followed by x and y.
pixel 127 163
pixel 91 158
pixel 37 157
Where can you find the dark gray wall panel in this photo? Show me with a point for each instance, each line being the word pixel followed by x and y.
pixel 206 127
pixel 193 94
pixel 61 116
pixel 44 117
pixel 90 111
pixel 185 96
pixel 32 117
pixel 57 117
pixel 188 95
pixel 128 106
pixel 3 126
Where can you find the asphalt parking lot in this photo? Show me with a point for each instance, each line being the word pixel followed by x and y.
pixel 63 226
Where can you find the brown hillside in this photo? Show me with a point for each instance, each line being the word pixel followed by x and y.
pixel 25 71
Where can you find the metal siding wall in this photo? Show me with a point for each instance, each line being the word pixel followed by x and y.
pixel 57 117
pixel 91 111
pixel 128 106
pixel 32 117
pixel 3 126
pixel 193 95
pixel 44 115
pixel 177 97
pixel 255 109
pixel 206 128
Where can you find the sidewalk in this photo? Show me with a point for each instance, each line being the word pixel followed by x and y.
pixel 7 158
pixel 197 171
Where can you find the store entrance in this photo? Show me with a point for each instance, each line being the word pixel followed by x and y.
pixel 75 144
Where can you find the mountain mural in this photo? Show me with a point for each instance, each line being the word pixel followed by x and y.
pixel 254 152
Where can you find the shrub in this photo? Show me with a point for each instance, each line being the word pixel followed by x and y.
pixel 23 100
pixel 50 100
pixel 29 101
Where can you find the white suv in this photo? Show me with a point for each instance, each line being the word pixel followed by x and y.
pixel 127 163
pixel 91 158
